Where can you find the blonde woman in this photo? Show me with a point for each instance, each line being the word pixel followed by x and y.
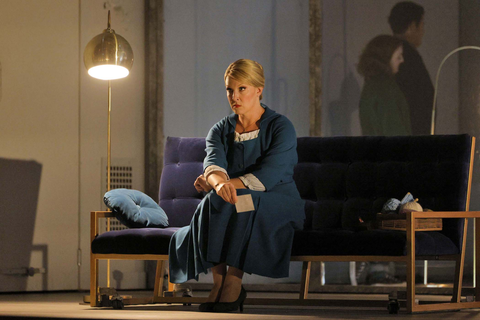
pixel 250 153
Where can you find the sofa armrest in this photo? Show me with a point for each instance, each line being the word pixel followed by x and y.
pixel 445 214
pixel 94 218
pixel 103 214
pixel 411 216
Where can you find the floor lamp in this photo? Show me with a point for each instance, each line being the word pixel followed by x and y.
pixel 432 132
pixel 108 56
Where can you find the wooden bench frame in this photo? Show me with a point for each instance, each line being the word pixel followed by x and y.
pixel 408 259
pixel 303 300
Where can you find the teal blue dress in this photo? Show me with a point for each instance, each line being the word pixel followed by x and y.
pixel 257 241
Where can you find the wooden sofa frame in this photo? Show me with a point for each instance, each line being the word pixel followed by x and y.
pixel 303 300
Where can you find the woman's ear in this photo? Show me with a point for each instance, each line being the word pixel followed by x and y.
pixel 259 91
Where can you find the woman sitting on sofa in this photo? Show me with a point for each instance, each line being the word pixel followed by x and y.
pixel 250 159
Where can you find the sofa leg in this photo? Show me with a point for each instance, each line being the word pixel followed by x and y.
pixel 171 286
pixel 93 281
pixel 305 281
pixel 159 277
pixel 457 282
pixel 459 266
pixel 477 258
pixel 410 262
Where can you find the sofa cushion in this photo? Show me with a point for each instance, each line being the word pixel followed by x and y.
pixel 135 209
pixel 183 163
pixel 369 243
pixel 134 241
pixel 305 243
pixel 343 179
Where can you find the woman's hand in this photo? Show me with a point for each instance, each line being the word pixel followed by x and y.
pixel 227 191
pixel 200 184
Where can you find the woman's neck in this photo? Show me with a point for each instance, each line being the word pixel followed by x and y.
pixel 248 121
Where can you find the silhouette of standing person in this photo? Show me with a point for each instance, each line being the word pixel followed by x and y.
pixel 383 108
pixel 407 23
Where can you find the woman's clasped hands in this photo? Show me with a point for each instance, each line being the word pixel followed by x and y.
pixel 227 191
pixel 201 184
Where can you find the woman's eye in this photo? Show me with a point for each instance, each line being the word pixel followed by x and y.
pixel 242 88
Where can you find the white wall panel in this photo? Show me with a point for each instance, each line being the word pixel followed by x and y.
pixel 203 37
pixel 39 121
pixel 52 112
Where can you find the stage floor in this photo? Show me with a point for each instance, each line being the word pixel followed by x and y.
pixel 70 306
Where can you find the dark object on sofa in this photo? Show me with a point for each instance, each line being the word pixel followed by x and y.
pixel 342 179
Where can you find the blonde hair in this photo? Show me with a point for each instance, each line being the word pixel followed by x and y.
pixel 247 71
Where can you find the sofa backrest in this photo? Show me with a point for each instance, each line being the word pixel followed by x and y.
pixel 343 179
pixel 183 163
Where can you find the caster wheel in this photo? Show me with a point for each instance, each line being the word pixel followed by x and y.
pixel 104 301
pixel 117 304
pixel 393 307
pixel 187 295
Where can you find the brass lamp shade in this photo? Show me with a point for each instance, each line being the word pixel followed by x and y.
pixel 108 56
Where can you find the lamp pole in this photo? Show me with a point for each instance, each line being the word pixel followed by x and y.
pixel 432 132
pixel 108 56
pixel 109 137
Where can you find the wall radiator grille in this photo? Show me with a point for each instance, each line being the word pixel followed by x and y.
pixel 122 176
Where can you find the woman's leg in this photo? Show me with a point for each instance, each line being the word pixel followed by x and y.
pixel 232 285
pixel 219 272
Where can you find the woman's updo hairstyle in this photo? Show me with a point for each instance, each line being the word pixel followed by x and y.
pixel 375 58
pixel 247 71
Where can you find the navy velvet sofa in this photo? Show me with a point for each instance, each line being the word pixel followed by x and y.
pixel 342 179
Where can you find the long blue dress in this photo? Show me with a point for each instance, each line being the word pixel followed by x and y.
pixel 257 241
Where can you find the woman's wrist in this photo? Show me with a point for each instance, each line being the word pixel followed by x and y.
pixel 216 178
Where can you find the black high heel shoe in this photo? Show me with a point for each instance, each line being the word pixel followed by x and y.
pixel 231 306
pixel 206 306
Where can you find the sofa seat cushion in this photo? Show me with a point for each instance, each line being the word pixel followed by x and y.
pixel 134 241
pixel 338 242
pixel 335 242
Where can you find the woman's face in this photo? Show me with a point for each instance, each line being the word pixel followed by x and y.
pixel 396 60
pixel 242 97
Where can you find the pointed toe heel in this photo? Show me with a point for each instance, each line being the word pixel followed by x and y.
pixel 231 306
pixel 206 307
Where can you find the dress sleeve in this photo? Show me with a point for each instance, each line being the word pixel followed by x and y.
pixel 252 182
pixel 216 151
pixel 211 169
pixel 278 160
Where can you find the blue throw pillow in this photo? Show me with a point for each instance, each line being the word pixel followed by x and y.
pixel 135 209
